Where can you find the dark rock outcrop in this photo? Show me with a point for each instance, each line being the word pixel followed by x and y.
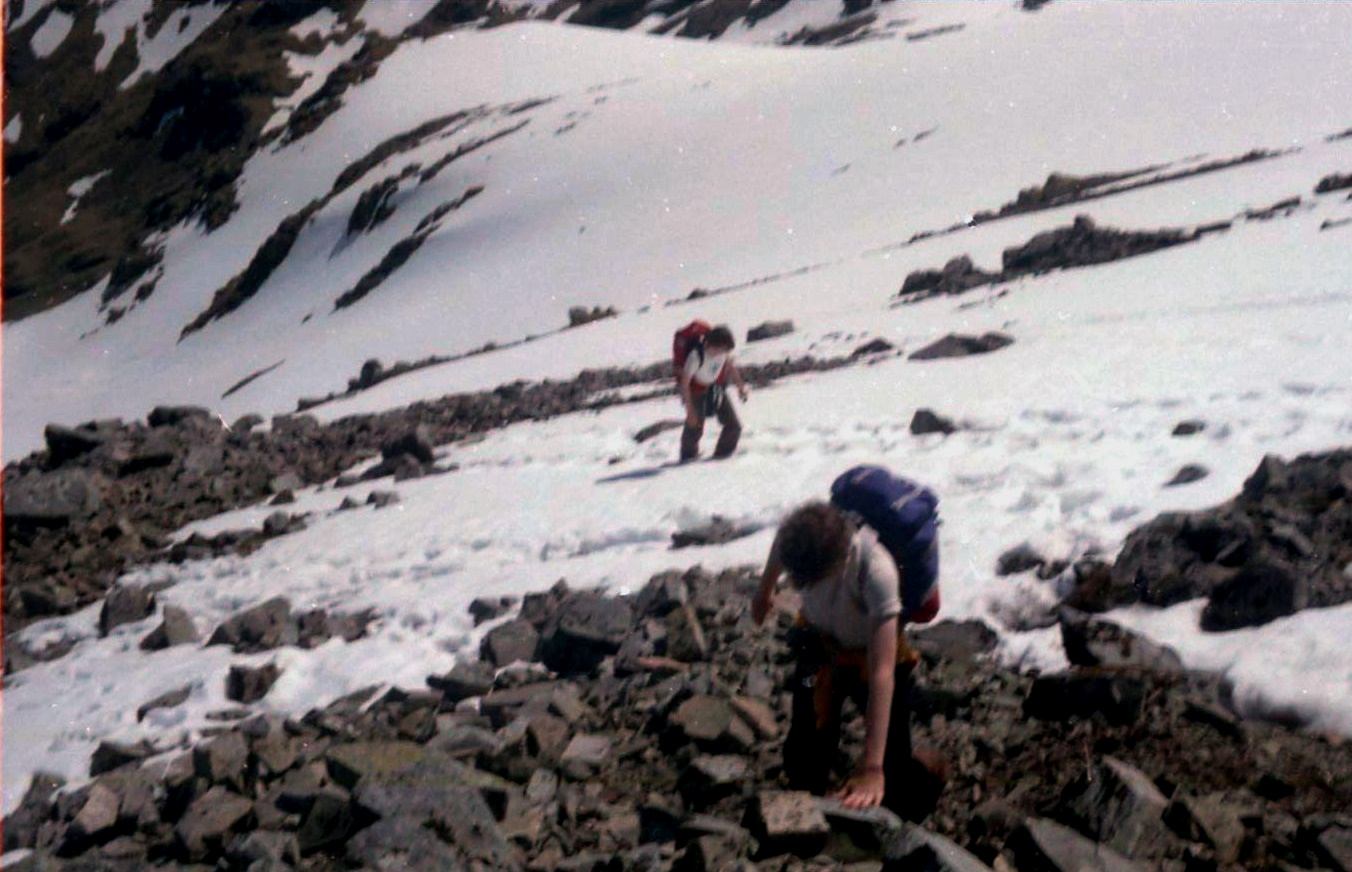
pixel 956 345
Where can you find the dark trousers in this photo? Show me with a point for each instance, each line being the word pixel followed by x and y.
pixel 813 742
pixel 727 439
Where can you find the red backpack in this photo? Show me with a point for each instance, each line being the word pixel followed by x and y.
pixel 690 338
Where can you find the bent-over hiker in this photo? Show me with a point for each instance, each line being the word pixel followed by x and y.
pixel 849 643
pixel 702 377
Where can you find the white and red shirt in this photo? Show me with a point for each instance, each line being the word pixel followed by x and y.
pixel 704 367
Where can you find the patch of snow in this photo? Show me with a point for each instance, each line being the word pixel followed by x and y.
pixel 51 34
pixel 113 22
pixel 314 71
pixel 393 17
pixel 77 191
pixel 322 22
pixel 14 129
pixel 30 9
pixel 178 33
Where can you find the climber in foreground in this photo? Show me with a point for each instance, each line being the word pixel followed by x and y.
pixel 864 565
pixel 702 356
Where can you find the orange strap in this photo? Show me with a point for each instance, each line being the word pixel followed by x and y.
pixel 847 658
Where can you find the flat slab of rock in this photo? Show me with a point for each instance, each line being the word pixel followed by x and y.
pixel 1121 807
pixel 916 848
pixel 1046 845
pixel 213 819
pixel 787 821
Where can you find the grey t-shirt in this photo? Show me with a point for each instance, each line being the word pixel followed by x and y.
pixel 847 607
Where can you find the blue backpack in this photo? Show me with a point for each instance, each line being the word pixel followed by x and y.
pixel 904 514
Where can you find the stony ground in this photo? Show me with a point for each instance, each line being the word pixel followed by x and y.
pixel 644 733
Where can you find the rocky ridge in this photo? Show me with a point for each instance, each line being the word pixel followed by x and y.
pixel 105 496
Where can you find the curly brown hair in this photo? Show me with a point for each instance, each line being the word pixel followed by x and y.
pixel 813 541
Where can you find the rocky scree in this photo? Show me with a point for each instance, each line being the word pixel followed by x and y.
pixel 643 732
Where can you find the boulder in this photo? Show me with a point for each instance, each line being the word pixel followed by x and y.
pixel 769 330
pixel 1090 641
pixel 176 628
pixel 579 315
pixel 717 531
pixel 711 723
pixel 262 627
pixel 114 755
pixel 125 605
pixel 503 706
pixel 328 821
pixel 1211 820
pixel 955 641
pixel 172 416
pixel 712 777
pixel 1187 474
pixel 488 608
pixel 1119 806
pixel 787 822
pixel 686 639
pixel 467 678
pixel 1050 847
pixel 913 849
pixel 223 760
pixel 955 345
pixel 1256 595
pixel 415 443
pixel 509 642
pixel 1189 427
pixel 94 823
pixel 67 443
pixel 20 828
pixel 1066 695
pixel 263 850
pixel 586 629
pixel 1333 182
pixel 1084 244
pixel 1333 846
pixel 427 816
pixel 926 421
pixel 1021 558
pixel 873 346
pixel 211 822
pixel 246 684
pixel 585 755
pixel 663 592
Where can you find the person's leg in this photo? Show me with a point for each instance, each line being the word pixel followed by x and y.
pixel 732 429
pixel 912 790
pixel 691 434
pixel 814 735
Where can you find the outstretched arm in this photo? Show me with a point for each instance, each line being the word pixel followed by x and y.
pixel 867 786
pixel 736 375
pixel 765 596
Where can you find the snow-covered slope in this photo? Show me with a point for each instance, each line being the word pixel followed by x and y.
pixel 626 170
pixel 657 167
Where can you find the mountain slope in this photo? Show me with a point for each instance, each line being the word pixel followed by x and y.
pixel 748 163
pixel 628 170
